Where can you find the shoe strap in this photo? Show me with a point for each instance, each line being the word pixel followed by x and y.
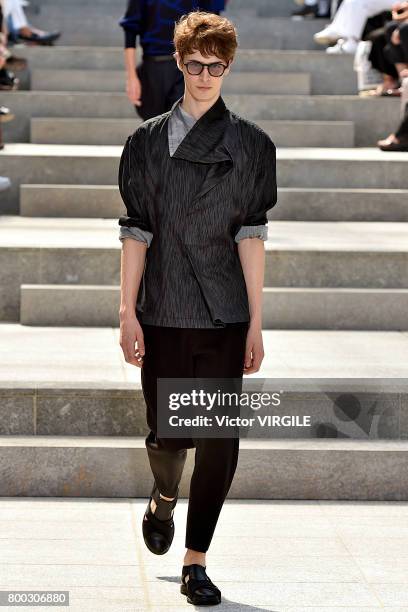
pixel 164 508
pixel 197 578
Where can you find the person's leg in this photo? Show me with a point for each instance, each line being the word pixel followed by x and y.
pixel 152 91
pixel 403 30
pixel 352 15
pixel 221 355
pixel 167 356
pixel 402 131
pixel 14 9
pixel 378 58
pixel 394 53
pixel 162 84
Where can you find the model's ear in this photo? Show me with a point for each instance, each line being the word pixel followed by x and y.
pixel 229 66
pixel 176 56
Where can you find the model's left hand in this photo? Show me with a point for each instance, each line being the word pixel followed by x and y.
pixel 254 351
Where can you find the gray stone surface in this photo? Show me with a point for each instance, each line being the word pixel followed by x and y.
pixel 295 203
pixel 373 118
pixel 340 204
pixel 330 74
pixel 118 467
pixel 117 409
pixel 46 79
pixel 55 355
pixel 99 201
pixel 297 167
pixel 94 549
pixel 65 252
pixel 115 132
pixel 81 28
pixel 284 307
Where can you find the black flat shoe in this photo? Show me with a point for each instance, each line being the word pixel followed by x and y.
pixel 38 37
pixel 158 527
pixel 200 590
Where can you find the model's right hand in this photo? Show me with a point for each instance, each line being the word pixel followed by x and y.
pixel 134 90
pixel 131 334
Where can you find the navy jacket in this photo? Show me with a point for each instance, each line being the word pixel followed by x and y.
pixel 153 21
pixel 222 176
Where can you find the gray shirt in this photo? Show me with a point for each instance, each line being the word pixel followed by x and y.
pixel 178 126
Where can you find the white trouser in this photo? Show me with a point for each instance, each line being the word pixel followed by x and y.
pixel 352 15
pixel 14 9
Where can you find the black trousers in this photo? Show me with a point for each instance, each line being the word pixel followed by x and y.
pixel 162 85
pixel 397 54
pixel 172 352
pixel 377 57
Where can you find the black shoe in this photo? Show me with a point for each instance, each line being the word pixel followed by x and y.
pixel 158 527
pixel 8 81
pixel 38 37
pixel 200 590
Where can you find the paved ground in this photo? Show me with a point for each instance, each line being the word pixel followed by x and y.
pixel 285 556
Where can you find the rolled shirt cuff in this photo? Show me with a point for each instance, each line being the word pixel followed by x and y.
pixel 136 233
pixel 252 231
pixel 130 39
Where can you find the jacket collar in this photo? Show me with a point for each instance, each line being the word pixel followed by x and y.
pixel 207 141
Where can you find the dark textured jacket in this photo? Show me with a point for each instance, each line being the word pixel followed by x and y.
pixel 222 176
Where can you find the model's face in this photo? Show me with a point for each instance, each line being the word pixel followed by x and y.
pixel 202 86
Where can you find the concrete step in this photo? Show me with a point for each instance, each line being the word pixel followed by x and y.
pixel 277 7
pixel 373 119
pixel 284 307
pixel 83 26
pixel 329 74
pixel 118 467
pixel 329 204
pixel 118 409
pixel 115 132
pixel 363 168
pixel 92 356
pixel 75 252
pixel 90 201
pixel 47 79
pixel 295 204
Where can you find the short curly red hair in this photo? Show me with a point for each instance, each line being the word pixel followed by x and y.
pixel 207 33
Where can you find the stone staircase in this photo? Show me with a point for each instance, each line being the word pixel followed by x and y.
pixel 336 282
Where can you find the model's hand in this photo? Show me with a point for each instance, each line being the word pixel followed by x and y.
pixel 134 90
pixel 254 351
pixel 131 334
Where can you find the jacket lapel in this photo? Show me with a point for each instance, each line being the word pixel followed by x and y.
pixel 210 141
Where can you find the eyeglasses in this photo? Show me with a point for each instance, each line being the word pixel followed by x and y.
pixel 216 69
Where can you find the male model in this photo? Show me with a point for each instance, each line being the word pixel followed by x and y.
pixel 156 83
pixel 197 182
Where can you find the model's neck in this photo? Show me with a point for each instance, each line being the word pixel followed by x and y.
pixel 197 108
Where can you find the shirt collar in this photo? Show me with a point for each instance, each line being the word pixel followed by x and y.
pixel 204 142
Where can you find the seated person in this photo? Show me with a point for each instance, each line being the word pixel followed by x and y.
pixel 19 28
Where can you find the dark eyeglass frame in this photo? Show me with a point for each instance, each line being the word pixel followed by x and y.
pixel 208 67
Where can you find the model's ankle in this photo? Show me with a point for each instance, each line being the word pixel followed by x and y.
pixel 194 556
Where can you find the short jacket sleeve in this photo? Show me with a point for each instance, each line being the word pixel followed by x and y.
pixel 131 182
pixel 264 185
